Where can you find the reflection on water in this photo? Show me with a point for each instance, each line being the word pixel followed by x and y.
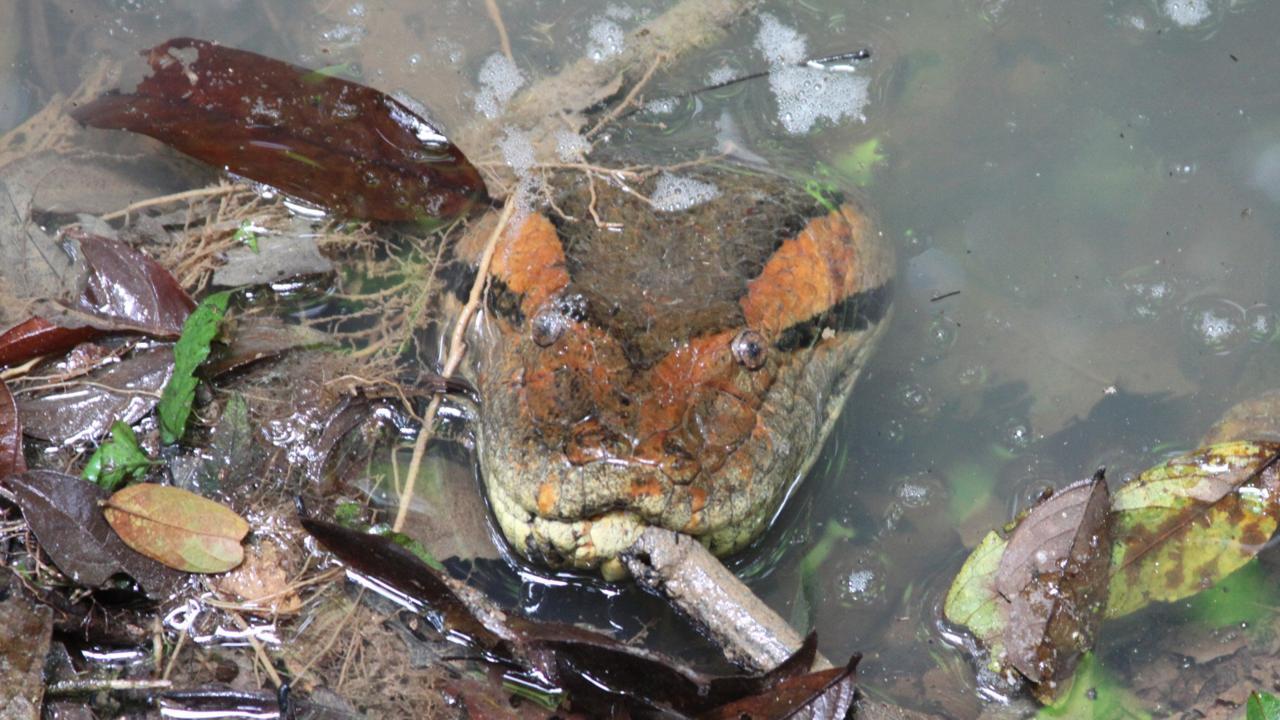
pixel 1084 201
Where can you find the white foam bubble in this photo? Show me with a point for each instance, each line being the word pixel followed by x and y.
pixel 605 39
pixel 781 45
pixel 806 95
pixel 673 193
pixel 1187 13
pixel 722 74
pixel 661 106
pixel 619 12
pixel 570 146
pixel 499 80
pixel 517 150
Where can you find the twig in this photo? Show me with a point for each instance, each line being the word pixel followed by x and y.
pixel 258 650
pixel 457 347
pixel 93 685
pixel 491 6
pixel 630 98
pixel 682 570
pixel 176 197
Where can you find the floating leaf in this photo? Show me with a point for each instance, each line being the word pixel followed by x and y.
pixel 1095 695
pixel 11 460
pixel 1054 574
pixel 64 513
pixel 177 528
pixel 1035 600
pixel 1182 526
pixel 191 350
pixel 125 391
pixel 600 673
pixel 117 460
pixel 973 601
pixel 828 694
pixel 322 139
pixel 1262 706
pixel 382 558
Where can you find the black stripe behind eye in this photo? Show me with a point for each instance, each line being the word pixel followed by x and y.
pixel 503 302
pixel 856 312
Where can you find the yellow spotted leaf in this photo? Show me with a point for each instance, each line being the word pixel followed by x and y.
pixel 1181 527
pixel 177 528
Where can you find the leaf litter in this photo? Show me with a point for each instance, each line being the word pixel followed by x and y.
pixel 126 292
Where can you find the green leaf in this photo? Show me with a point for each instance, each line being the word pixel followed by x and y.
pixel 409 544
pixel 177 528
pixel 247 234
pixel 973 600
pixel 859 163
pixel 1183 526
pixel 1262 706
pixel 1095 695
pixel 191 349
pixel 117 460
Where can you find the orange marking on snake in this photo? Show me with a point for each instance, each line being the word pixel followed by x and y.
pixel 806 275
pixel 531 261
pixel 548 495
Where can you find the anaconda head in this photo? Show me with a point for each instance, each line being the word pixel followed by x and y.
pixel 681 369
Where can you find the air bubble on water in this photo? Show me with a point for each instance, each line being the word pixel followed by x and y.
pixel 1260 321
pixel 672 193
pixel 1187 13
pixel 914 397
pixel 1016 434
pixel 1217 324
pixel 499 80
pixel 860 583
pixel 570 146
pixel 913 494
pixel 604 40
pixel 722 74
pixel 619 12
pixel 661 106
pixel 517 150
pixel 1182 170
pixel 806 95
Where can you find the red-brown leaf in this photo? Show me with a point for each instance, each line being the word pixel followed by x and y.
pixel 322 139
pixel 37 337
pixel 126 290
pixel 11 460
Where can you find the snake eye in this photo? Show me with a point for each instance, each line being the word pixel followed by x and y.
pixel 547 326
pixel 749 349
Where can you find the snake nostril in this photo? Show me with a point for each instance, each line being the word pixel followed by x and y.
pixel 749 349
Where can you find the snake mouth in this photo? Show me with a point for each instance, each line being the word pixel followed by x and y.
pixel 610 403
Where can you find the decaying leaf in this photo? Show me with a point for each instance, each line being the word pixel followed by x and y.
pixel 125 391
pixel 1179 528
pixel 37 336
pixel 973 601
pixel 11 460
pixel 1054 575
pixel 177 528
pixel 322 139
pixel 1182 526
pixel 65 515
pixel 126 290
pixel 600 673
pixel 188 353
